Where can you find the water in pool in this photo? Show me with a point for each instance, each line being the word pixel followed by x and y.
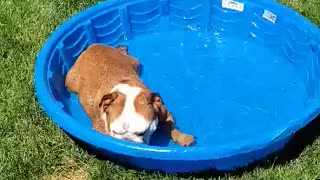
pixel 221 89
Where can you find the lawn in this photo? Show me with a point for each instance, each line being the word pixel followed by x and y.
pixel 33 147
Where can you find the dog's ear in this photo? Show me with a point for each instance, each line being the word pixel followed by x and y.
pixel 106 101
pixel 123 50
pixel 156 101
pixel 159 109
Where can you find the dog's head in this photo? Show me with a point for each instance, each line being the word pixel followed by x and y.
pixel 131 113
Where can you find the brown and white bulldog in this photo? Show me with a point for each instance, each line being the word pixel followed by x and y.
pixel 119 104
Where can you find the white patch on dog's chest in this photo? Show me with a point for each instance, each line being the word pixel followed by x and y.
pixel 130 123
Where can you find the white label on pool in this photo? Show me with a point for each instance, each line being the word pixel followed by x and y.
pixel 269 16
pixel 234 5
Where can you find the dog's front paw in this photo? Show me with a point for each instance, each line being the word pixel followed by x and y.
pixel 182 138
pixel 185 140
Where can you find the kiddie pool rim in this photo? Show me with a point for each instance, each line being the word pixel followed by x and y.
pixel 64 121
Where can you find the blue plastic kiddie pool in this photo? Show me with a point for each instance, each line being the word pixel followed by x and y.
pixel 241 76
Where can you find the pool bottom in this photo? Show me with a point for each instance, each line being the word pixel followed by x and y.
pixel 215 84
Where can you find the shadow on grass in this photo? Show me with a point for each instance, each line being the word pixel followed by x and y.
pixel 292 150
pixel 304 137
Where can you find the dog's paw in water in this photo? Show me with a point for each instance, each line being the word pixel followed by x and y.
pixel 182 138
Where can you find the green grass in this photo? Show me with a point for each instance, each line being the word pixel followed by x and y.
pixel 33 147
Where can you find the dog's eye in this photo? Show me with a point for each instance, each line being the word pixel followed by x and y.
pixel 118 133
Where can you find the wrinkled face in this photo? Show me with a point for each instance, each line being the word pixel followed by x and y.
pixel 131 115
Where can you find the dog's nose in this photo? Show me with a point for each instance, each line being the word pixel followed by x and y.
pixel 140 134
pixel 134 139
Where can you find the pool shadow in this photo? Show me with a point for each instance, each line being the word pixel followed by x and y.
pixel 111 157
pixel 292 150
pixel 161 137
